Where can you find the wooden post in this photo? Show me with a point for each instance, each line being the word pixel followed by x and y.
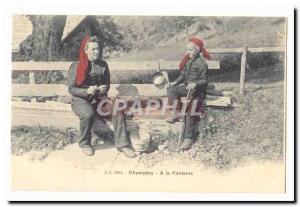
pixel 243 71
pixel 31 74
pixel 32 81
pixel 31 77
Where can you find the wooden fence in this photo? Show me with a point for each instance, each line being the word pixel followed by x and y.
pixel 33 89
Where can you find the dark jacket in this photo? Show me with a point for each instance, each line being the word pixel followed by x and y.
pixel 194 71
pixel 96 75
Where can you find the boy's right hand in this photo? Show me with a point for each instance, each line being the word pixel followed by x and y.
pixel 92 90
pixel 102 89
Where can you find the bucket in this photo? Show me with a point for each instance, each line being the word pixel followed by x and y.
pixel 141 142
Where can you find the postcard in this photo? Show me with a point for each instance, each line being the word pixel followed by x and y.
pixel 149 103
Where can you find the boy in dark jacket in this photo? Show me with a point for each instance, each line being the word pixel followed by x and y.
pixel 89 82
pixel 193 78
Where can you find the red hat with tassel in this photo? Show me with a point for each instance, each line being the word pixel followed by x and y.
pixel 200 44
pixel 83 62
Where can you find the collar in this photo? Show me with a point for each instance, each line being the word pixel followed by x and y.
pixel 196 56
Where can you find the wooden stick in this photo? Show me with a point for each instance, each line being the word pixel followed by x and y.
pixel 183 121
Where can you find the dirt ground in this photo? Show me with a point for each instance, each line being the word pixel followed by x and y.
pixel 70 170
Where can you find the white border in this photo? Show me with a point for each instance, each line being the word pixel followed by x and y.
pixel 134 7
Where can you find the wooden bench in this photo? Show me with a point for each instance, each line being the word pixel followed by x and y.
pixel 129 92
pixel 116 90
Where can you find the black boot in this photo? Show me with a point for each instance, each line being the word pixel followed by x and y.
pixel 128 152
pixel 187 144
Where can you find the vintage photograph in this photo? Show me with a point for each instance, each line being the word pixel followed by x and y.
pixel 148 103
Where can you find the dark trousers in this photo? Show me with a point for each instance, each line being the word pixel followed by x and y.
pixel 190 121
pixel 87 116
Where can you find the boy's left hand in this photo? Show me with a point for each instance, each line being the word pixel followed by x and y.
pixel 191 86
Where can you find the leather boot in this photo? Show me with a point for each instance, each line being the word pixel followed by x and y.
pixel 186 144
pixel 172 118
pixel 128 152
pixel 88 151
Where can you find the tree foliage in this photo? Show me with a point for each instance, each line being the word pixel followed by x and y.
pixel 112 37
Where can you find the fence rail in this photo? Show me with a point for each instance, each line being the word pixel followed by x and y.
pixel 126 65
pixel 33 89
pixel 241 50
pixel 62 90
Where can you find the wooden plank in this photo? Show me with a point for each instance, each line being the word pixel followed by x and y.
pixel 57 106
pixel 240 50
pixel 172 65
pixel 61 90
pixel 224 50
pixel 223 101
pixel 243 71
pixel 39 90
pixel 133 65
pixel 44 66
pixel 139 65
pixel 41 65
pixel 267 49
pixel 41 106
pixel 130 90
pixel 126 65
pixel 136 90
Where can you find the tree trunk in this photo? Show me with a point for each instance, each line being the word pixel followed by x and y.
pixel 47 33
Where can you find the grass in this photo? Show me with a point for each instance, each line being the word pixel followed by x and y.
pixel 230 138
pixel 25 138
pixel 253 131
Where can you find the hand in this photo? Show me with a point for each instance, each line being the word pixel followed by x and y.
pixel 102 89
pixel 92 90
pixel 171 84
pixel 191 86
